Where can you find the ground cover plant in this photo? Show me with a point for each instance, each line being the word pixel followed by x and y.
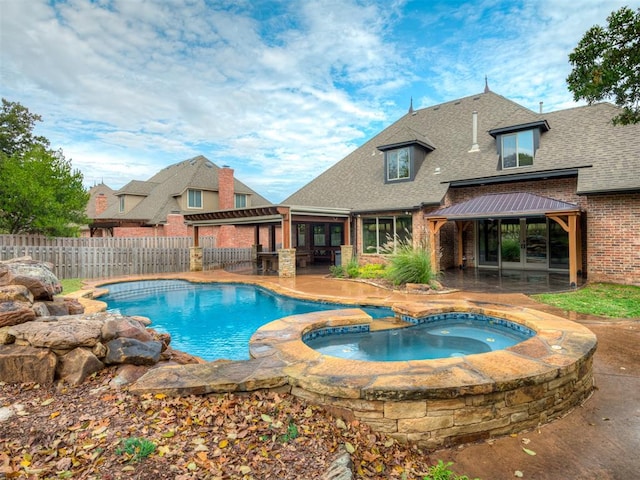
pixel 602 299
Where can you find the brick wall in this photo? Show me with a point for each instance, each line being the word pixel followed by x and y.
pixel 613 238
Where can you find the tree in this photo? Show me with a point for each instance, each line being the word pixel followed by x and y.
pixel 16 129
pixel 40 192
pixel 606 64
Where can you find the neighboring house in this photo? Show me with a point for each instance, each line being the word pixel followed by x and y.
pixel 490 184
pixel 156 207
pixel 101 197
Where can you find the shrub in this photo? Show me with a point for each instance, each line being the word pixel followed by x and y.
pixel 411 264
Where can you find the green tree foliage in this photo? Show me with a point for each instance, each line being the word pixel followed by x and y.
pixel 39 191
pixel 16 129
pixel 606 64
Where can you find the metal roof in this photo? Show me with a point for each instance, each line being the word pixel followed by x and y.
pixel 504 205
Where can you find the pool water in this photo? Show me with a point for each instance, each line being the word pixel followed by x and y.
pixel 211 321
pixel 423 341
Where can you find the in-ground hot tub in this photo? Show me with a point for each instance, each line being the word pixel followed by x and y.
pixel 443 401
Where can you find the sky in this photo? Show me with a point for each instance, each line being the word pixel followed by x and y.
pixel 277 90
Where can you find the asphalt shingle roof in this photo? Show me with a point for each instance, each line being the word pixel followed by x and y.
pixel 581 138
pixel 160 190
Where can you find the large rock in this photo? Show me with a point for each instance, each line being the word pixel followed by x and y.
pixel 21 364
pixel 135 352
pixel 60 333
pixel 59 307
pixel 5 337
pixel 125 327
pixel 36 276
pixel 15 293
pixel 77 365
pixel 14 313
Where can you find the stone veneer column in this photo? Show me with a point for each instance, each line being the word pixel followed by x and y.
pixel 195 259
pixel 287 262
pixel 346 253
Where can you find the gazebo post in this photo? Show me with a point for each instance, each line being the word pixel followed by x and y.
pixel 435 224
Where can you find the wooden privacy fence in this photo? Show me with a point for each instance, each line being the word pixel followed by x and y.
pixel 99 257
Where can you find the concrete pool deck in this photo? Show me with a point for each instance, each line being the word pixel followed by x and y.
pixel 600 439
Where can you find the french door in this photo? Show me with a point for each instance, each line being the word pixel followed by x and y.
pixel 514 243
pixel 523 243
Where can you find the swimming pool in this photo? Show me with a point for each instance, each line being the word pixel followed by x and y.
pixel 210 320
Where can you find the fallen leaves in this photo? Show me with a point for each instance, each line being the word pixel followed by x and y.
pixel 75 432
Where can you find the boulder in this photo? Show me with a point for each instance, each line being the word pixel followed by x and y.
pixel 60 333
pixel 15 313
pixel 128 375
pixel 77 365
pixel 129 327
pixel 40 309
pixel 60 306
pixel 15 293
pixel 135 352
pixel 20 364
pixel 36 276
pixel 5 337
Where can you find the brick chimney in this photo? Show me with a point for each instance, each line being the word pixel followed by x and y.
pixel 100 203
pixel 226 192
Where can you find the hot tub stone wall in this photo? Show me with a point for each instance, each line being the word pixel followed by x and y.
pixel 442 402
pixel 444 422
pixel 432 403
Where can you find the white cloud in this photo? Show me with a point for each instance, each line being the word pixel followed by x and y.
pixel 278 90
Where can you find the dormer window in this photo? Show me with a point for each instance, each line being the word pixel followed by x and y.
pixel 398 164
pixel 517 149
pixel 240 200
pixel 403 157
pixel 517 145
pixel 121 202
pixel 194 199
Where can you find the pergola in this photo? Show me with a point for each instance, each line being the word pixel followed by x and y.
pixel 274 215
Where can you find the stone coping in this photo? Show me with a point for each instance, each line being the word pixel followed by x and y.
pixel 558 348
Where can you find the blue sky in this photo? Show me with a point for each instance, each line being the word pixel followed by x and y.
pixel 278 90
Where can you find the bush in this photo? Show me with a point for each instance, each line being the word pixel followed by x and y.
pixel 411 264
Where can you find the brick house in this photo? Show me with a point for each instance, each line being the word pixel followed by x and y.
pixel 156 207
pixel 494 185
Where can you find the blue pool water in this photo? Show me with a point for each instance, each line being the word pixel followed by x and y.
pixel 210 320
pixel 452 337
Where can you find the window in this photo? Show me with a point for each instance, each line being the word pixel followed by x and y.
pixel 378 233
pixel 517 149
pixel 302 235
pixel 398 164
pixel 319 236
pixel 241 200
pixel 336 235
pixel 121 203
pixel 195 199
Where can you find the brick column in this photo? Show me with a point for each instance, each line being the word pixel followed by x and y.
pixel 287 262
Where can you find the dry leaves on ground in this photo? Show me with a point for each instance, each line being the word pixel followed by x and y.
pixel 87 431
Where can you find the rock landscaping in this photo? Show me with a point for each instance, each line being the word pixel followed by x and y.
pixel 45 337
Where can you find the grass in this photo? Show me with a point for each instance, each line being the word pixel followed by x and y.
pixel 602 299
pixel 71 285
